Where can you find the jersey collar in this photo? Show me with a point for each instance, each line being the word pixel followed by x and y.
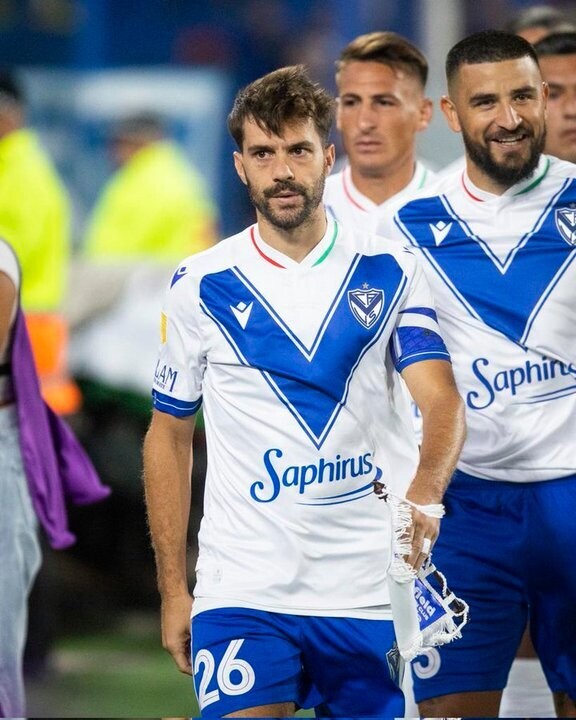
pixel 353 195
pixel 524 186
pixel 363 203
pixel 315 257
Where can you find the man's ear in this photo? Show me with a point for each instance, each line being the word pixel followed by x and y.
pixel 449 110
pixel 426 110
pixel 329 157
pixel 545 95
pixel 239 165
pixel 338 113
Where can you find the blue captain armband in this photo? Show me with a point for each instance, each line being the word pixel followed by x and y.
pixel 413 344
pixel 173 406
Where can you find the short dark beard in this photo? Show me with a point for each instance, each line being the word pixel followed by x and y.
pixel 504 175
pixel 288 221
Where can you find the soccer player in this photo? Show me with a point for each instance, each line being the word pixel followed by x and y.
pixel 498 241
pixel 557 58
pixel 381 79
pixel 291 334
pixel 526 692
pixel 381 108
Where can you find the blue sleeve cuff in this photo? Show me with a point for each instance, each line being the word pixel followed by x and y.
pixel 419 356
pixel 173 406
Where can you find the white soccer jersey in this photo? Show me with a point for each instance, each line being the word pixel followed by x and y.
pixel 8 266
pixel 295 366
pixel 503 276
pixel 345 203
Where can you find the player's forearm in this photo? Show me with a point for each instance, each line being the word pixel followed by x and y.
pixel 167 468
pixel 444 431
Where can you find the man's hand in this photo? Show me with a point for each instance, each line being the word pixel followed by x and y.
pixel 424 527
pixel 175 615
pixel 424 531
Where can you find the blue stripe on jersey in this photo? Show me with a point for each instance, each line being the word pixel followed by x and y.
pixel 506 296
pixel 173 406
pixel 429 312
pixel 340 502
pixel 307 352
pixel 552 395
pixel 311 382
pixel 366 490
pixel 413 344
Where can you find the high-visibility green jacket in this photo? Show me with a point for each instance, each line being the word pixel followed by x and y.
pixel 34 219
pixel 156 206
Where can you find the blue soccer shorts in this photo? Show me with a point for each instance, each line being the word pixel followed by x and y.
pixel 245 658
pixel 507 549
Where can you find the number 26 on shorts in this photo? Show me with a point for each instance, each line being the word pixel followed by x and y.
pixel 233 675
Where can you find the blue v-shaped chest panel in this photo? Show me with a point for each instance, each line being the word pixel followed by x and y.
pixel 312 382
pixel 505 295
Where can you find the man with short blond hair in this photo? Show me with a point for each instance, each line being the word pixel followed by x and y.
pixel 381 79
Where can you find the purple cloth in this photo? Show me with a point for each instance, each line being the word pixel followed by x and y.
pixel 57 466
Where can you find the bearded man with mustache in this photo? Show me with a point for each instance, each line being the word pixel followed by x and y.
pixel 498 240
pixel 294 335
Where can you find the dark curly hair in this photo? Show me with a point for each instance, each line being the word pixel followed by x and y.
pixel 280 97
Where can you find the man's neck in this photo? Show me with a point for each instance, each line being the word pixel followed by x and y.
pixel 383 185
pixel 298 242
pixel 10 122
pixel 483 181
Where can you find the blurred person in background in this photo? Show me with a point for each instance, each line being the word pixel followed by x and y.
pixel 155 209
pixel 537 21
pixel 35 219
pixel 156 206
pixel 381 79
pixel 381 108
pixel 557 58
pixel 42 468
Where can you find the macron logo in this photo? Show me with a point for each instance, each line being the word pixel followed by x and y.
pixel 440 230
pixel 242 313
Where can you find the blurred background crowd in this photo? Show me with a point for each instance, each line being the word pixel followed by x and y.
pixel 128 100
